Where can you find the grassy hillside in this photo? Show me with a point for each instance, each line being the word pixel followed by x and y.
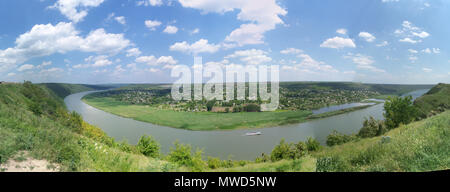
pixel 435 101
pixel 32 119
pixel 419 146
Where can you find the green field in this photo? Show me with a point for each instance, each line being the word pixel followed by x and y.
pixel 197 120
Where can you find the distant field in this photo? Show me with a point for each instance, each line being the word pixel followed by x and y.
pixel 198 120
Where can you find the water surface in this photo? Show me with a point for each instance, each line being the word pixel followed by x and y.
pixel 224 144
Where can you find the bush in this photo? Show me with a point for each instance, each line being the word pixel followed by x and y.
pixel 288 151
pixel 252 108
pixel 181 155
pixel 337 138
pixel 372 128
pixel 312 144
pixel 148 146
pixel 399 110
pixel 214 163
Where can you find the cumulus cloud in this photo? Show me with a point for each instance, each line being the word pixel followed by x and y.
pixel 149 3
pixel 75 10
pixel 251 56
pixel 201 46
pixel 25 67
pixel 45 40
pixel 99 61
pixel 121 20
pixel 427 70
pixel 367 36
pixel 153 61
pixel 409 33
pixel 262 15
pixel 133 52
pixel 342 31
pixel 383 44
pixel 291 51
pixel 170 29
pixel 338 42
pixel 152 24
pixel 363 62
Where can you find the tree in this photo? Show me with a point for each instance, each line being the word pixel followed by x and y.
pixel 399 110
pixel 210 104
pixel 371 128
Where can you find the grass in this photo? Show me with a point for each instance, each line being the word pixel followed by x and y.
pixel 416 147
pixel 198 121
pixel 436 100
pixel 48 136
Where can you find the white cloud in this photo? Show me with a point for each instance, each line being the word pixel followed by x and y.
pixel 99 61
pixel 153 61
pixel 338 42
pixel 367 36
pixel 436 50
pixel 342 31
pixel 195 31
pixel 387 1
pixel 427 70
pixel 150 3
pixel 11 74
pixel 25 67
pixel 45 40
pixel 409 40
pixel 201 46
pixel 409 32
pixel 44 64
pixel 429 51
pixel 121 20
pixel 170 29
pixel 133 52
pixel 413 59
pixel 291 51
pixel 262 15
pixel 75 10
pixel 363 62
pixel 412 51
pixel 152 24
pixel 383 44
pixel 251 56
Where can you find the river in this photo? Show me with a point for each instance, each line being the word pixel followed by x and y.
pixel 225 144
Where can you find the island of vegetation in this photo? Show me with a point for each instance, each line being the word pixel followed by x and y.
pixel 153 104
pixel 34 124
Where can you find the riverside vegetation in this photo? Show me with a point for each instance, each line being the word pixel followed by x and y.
pixel 34 119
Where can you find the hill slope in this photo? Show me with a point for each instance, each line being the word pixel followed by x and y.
pixel 435 101
pixel 34 120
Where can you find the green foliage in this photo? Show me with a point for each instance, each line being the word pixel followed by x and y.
pixel 252 108
pixel 399 110
pixel 182 155
pixel 372 128
pixel 312 144
pixel 210 105
pixel 337 138
pixel 288 151
pixel 148 146
pixel 330 164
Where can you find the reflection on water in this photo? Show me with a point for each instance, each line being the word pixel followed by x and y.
pixel 224 144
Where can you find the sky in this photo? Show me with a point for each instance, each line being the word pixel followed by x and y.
pixel 140 41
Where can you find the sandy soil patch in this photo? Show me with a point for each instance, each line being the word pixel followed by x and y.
pixel 22 162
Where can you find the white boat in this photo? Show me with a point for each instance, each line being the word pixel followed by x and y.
pixel 253 134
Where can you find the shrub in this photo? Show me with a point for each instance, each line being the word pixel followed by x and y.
pixel 337 138
pixel 148 146
pixel 181 155
pixel 399 110
pixel 214 163
pixel 312 144
pixel 252 108
pixel 288 151
pixel 372 128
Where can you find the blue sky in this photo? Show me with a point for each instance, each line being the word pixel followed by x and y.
pixel 140 41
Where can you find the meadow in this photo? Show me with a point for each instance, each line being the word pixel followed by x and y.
pixel 197 121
